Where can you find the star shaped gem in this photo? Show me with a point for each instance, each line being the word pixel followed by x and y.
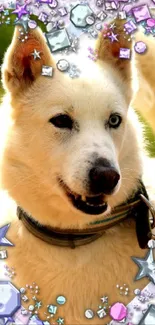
pixel 38 304
pixel 113 37
pixel 146 266
pixel 36 54
pixel 23 22
pixel 60 321
pixel 3 240
pixel 104 299
pixel 112 26
pixel 20 10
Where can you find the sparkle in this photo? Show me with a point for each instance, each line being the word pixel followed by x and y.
pixel 146 266
pixel 36 54
pixel 38 304
pixel 113 37
pixel 60 321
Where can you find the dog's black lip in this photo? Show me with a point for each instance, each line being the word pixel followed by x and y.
pixel 81 205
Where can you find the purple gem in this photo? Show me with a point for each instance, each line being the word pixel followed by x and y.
pixel 140 47
pixel 130 27
pixel 1 8
pixel 32 24
pixel 150 22
pixel 141 13
pixel 111 5
pixel 43 17
pixel 62 11
pixel 45 1
pixel 53 4
pixel 124 53
pixel 10 300
pixel 118 311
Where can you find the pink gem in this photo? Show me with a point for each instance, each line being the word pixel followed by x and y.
pixel 151 22
pixel 118 311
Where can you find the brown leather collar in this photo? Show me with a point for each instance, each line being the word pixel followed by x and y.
pixel 134 207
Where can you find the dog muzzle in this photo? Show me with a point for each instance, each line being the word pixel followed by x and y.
pixel 136 207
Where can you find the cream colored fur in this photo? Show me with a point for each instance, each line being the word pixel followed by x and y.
pixel 33 153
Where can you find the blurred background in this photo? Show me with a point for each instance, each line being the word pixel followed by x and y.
pixel 6 32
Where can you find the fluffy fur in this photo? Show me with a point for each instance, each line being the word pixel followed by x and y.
pixel 34 153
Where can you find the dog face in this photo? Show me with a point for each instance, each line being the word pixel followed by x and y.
pixel 63 150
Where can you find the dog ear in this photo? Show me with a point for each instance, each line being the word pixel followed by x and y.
pixel 109 50
pixel 20 68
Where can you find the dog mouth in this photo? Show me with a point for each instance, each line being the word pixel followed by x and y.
pixel 92 205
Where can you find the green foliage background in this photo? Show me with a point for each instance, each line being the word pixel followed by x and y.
pixel 6 32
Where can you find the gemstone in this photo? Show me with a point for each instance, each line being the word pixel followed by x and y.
pixel 58 40
pixel 150 23
pixel 42 17
pixel 32 24
pixel 62 65
pixel 54 4
pixel 9 299
pixel 151 243
pixel 149 316
pixel 61 300
pixel 141 13
pixel 118 311
pixel 47 71
pixel 140 47
pixel 52 309
pixel 111 5
pixel 89 313
pixel 25 298
pixel 101 313
pixel 3 255
pixel 22 290
pixel 34 320
pixel 62 11
pixel 90 20
pixel 122 14
pixel 98 26
pixel 130 27
pixel 78 15
pixel 124 53
pixel 99 3
pixel 101 15
pixel 31 308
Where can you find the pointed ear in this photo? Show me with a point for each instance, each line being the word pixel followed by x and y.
pixel 20 69
pixel 111 52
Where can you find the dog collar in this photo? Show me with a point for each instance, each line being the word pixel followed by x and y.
pixel 136 206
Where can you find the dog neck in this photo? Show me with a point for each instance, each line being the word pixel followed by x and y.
pixel 134 207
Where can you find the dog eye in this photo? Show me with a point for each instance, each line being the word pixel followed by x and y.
pixel 114 121
pixel 62 121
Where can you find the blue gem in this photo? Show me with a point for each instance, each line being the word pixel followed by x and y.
pixel 61 300
pixel 60 321
pixel 52 309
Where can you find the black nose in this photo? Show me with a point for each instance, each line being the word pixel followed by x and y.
pixel 103 177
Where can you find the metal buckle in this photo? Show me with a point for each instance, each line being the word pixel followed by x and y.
pixel 152 210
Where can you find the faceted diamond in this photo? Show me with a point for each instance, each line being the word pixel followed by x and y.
pixel 140 47
pixel 54 4
pixel 34 320
pixel 42 17
pixel 99 3
pixel 89 313
pixel 3 254
pixel 62 11
pixel 52 309
pixel 101 15
pixel 58 40
pixel 22 290
pixel 130 27
pixel 90 20
pixel 61 300
pixel 101 313
pixel 47 71
pixel 141 13
pixel 62 65
pixel 124 53
pixel 111 5
pixel 118 311
pixel 25 298
pixel 78 15
pixel 32 24
pixel 122 14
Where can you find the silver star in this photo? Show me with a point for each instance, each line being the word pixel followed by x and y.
pixel 36 54
pixel 146 265
pixel 23 22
